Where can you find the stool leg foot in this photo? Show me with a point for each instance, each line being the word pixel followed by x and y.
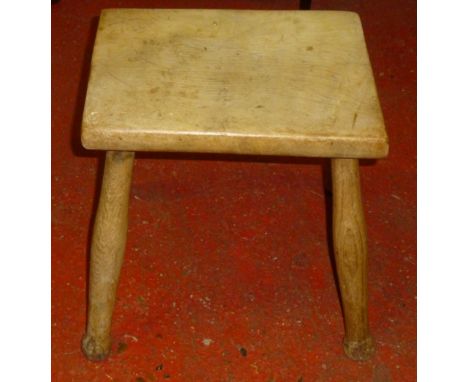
pixel 107 250
pixel 350 244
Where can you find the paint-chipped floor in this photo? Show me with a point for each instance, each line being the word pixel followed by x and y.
pixel 228 275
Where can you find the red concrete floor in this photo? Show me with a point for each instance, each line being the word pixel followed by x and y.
pixel 228 275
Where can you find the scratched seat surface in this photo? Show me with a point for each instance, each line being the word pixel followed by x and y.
pixel 246 82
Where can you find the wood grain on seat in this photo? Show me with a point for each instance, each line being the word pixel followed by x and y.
pixel 246 82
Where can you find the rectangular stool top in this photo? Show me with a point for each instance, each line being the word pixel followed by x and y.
pixel 246 82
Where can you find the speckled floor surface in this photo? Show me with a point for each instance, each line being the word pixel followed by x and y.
pixel 228 275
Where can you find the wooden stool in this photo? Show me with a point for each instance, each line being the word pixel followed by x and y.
pixel 293 83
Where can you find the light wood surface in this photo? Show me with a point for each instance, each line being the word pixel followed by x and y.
pixel 107 251
pixel 246 82
pixel 350 244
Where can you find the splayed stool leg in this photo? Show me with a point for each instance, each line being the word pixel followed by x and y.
pixel 107 251
pixel 350 244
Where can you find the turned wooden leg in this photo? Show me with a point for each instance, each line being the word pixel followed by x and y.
pixel 349 236
pixel 107 250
